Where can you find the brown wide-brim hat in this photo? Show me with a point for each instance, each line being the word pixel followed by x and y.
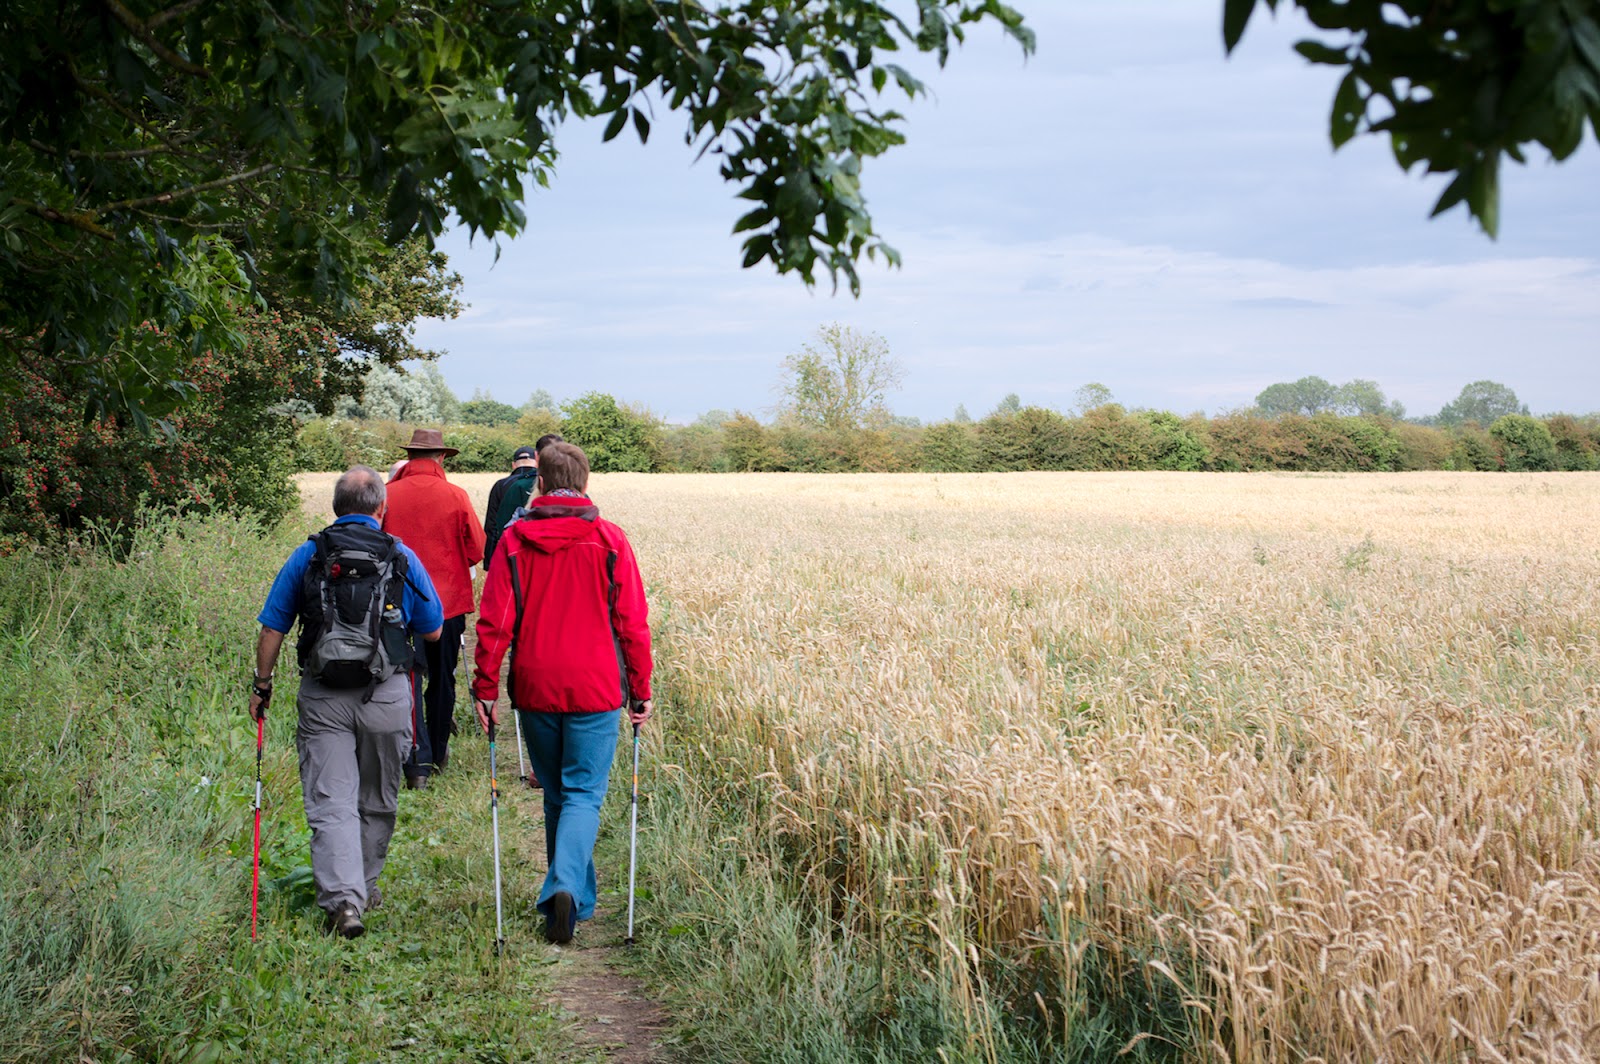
pixel 429 440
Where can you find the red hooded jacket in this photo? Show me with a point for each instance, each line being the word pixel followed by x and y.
pixel 435 518
pixel 585 623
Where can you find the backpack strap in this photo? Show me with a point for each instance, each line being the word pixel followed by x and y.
pixel 394 561
pixel 516 599
pixel 319 572
pixel 311 583
pixel 612 590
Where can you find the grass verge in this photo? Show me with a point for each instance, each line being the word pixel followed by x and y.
pixel 126 808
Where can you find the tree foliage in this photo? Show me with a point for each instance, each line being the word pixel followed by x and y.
pixel 617 438
pixel 1011 404
pixel 1309 396
pixel 1455 86
pixel 539 401
pixel 156 152
pixel 1090 397
pixel 1481 402
pixel 484 409
pixel 1033 438
pixel 231 444
pixel 842 381
pixel 1364 398
pixel 391 394
pixel 1526 443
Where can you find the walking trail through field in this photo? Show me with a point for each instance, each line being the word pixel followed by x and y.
pixel 610 1010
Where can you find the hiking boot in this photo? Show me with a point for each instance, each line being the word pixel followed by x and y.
pixel 533 781
pixel 374 897
pixel 416 781
pixel 346 921
pixel 563 918
pixel 441 762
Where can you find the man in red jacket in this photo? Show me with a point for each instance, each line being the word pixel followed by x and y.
pixel 435 518
pixel 563 593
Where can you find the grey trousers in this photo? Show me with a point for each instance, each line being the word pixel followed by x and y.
pixel 351 758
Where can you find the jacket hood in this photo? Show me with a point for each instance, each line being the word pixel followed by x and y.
pixel 420 467
pixel 554 523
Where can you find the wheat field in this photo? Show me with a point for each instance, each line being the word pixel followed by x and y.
pixel 1305 767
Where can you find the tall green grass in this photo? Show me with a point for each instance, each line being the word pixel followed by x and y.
pixel 126 791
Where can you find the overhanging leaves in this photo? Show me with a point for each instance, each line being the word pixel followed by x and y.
pixel 284 130
pixel 1456 86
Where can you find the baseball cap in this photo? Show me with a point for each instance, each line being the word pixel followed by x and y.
pixel 524 452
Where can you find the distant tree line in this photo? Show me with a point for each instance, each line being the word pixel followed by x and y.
pixel 622 437
pixel 835 418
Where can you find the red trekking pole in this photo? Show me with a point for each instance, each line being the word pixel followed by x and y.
pixel 255 857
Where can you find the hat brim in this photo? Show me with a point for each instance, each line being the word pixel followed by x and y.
pixel 449 452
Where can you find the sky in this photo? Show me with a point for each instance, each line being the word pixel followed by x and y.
pixel 1127 206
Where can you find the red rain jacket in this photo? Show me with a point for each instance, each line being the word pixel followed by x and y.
pixel 584 616
pixel 435 518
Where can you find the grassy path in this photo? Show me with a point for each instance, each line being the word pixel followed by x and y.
pixel 125 804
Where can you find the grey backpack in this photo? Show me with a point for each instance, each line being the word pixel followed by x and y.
pixel 352 629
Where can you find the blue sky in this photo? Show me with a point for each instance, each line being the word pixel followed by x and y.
pixel 1127 206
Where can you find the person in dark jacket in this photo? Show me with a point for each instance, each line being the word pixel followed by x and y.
pixel 565 597
pixel 514 489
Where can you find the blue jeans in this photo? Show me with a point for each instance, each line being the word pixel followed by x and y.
pixel 571 755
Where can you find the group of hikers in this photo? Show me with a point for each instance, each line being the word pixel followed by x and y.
pixel 382 597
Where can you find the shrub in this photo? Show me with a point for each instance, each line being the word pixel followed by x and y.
pixel 1174 443
pixel 1334 443
pixel 948 447
pixel 1421 447
pixel 535 423
pixel 747 446
pixel 875 450
pixel 330 445
pixel 618 439
pixel 693 449
pixel 1577 445
pixel 1107 438
pixel 489 413
pixel 228 448
pixel 802 449
pixel 1475 449
pixel 483 449
pixel 1031 438
pixel 1241 442
pixel 1525 443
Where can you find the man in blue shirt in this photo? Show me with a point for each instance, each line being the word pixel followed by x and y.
pixel 352 742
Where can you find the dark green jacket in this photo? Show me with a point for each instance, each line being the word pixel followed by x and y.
pixel 505 497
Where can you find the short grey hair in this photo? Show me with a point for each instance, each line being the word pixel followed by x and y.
pixel 360 490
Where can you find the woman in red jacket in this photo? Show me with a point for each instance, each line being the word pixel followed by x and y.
pixel 563 594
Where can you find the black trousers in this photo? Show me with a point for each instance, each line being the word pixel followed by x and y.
pixel 436 712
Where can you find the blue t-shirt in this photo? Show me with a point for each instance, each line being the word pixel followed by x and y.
pixel 422 611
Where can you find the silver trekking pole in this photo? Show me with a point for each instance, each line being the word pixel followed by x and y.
pixel 522 769
pixel 633 836
pixel 494 812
